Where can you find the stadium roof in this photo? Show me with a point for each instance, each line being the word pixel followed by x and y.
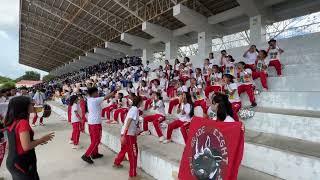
pixel 53 32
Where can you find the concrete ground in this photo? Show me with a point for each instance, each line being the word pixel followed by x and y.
pixel 57 160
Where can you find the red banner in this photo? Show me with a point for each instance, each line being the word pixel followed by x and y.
pixel 213 152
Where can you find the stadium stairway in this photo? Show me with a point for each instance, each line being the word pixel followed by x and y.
pixel 282 139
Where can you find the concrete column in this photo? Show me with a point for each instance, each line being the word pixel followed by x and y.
pixel 147 55
pixel 257 30
pixel 171 50
pixel 126 50
pixel 204 45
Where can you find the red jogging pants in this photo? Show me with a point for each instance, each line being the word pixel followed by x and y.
pixel 263 78
pixel 107 110
pixel 201 103
pixel 156 119
pixel 95 131
pixel 35 118
pixel 147 103
pixel 122 112
pixel 276 64
pixel 131 147
pixel 76 127
pixel 249 89
pixel 172 104
pixel 178 124
pixel 209 89
pixel 170 91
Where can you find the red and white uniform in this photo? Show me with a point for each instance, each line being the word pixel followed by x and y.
pixel 246 84
pixel 198 96
pixel 122 109
pixel 182 122
pixel 251 58
pixel 175 101
pixel 261 72
pixel 213 85
pixel 130 147
pixel 274 57
pixel 76 125
pixel 233 98
pixel 230 68
pixel 156 118
pixel 94 122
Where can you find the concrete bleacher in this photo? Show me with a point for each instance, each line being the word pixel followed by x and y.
pixel 282 139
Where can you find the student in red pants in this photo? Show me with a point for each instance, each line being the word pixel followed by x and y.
pixel 181 88
pixel 157 118
pixel 107 110
pixel 144 92
pixel 214 81
pixel 246 83
pixel 129 139
pixel 274 53
pixel 121 110
pixel 94 121
pixel 75 119
pixel 231 90
pixel 185 112
pixel 197 95
pixel 261 69
pixel 250 57
pixel 83 108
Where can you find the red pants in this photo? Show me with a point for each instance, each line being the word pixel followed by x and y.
pixel 147 103
pixel 263 78
pixel 95 131
pixel 209 89
pixel 201 103
pixel 170 91
pixel 35 118
pixel 178 124
pixel 172 104
pixel 131 147
pixel 122 112
pixel 250 66
pixel 107 110
pixel 235 108
pixel 76 126
pixel 249 89
pixel 156 119
pixel 276 64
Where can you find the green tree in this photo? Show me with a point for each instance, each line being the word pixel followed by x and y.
pixel 4 79
pixel 8 85
pixel 30 75
pixel 48 78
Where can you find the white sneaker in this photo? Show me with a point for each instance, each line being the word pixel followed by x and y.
pixel 144 133
pixel 75 147
pixel 33 125
pixel 166 141
pixel 161 139
pixel 70 142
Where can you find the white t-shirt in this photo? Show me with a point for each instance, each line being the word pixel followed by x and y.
pixel 196 92
pixel 246 77
pixel 182 89
pixel 229 88
pixel 185 117
pixel 251 57
pixel 228 119
pixel 159 107
pixel 133 114
pixel 74 109
pixel 261 63
pixel 163 84
pixel 94 110
pixel 274 54
pixel 215 78
pixel 230 68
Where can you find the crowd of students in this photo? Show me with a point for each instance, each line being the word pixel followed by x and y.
pixel 131 90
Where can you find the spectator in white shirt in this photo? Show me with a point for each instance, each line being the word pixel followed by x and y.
pixel 75 121
pixel 250 57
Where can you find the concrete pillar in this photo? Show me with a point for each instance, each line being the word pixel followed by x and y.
pixel 257 30
pixel 204 45
pixel 171 50
pixel 126 50
pixel 147 55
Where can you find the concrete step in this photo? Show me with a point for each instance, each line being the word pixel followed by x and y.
pixel 311 57
pixel 291 125
pixel 286 100
pixel 292 83
pixel 297 70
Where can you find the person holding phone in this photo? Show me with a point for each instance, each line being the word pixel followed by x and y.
pixel 22 160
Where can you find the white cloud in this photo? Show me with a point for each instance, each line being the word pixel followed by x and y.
pixel 9 13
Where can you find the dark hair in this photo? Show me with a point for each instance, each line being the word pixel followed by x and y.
pixel 73 99
pixel 231 58
pixel 216 66
pixel 158 94
pixel 121 96
pixel 230 77
pixel 143 82
pixel 136 100
pixel 224 106
pixel 92 90
pixel 242 63
pixel 18 109
pixel 223 51
pixel 264 53
pixel 23 88
pixel 189 100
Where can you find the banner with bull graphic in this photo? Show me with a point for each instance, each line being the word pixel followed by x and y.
pixel 213 152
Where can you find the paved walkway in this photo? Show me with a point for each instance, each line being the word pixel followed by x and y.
pixel 58 161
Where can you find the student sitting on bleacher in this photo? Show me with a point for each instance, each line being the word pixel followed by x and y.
pixel 231 90
pixel 181 88
pixel 185 113
pixel 121 110
pixel 223 108
pixel 246 84
pixel 214 81
pixel 197 94
pixel 144 92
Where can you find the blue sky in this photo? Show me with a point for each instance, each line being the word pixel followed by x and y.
pixel 9 40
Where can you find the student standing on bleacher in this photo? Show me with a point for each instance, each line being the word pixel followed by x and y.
pixel 274 56
pixel 129 138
